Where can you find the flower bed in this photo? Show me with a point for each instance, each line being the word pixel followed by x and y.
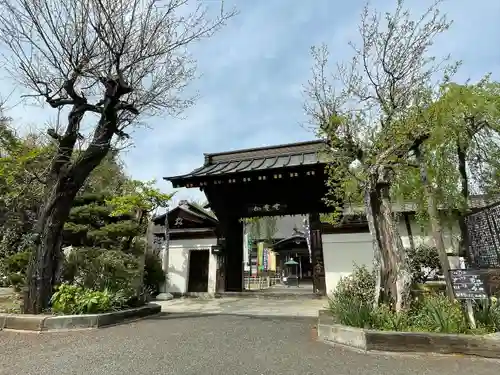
pixel 417 342
pixel 352 305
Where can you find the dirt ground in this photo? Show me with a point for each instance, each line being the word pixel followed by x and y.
pixel 10 303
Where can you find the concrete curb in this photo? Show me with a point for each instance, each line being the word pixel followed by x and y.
pixel 50 323
pixel 405 342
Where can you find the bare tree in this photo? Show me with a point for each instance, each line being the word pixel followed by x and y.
pixel 108 62
pixel 360 111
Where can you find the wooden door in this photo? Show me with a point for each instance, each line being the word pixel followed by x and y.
pixel 198 271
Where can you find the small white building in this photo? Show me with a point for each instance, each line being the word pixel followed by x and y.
pixel 193 263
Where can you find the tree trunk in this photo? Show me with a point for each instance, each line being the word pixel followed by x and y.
pixel 44 268
pixel 436 227
pixel 464 182
pixel 378 264
pixel 397 257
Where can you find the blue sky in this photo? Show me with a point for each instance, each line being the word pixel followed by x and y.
pixel 253 71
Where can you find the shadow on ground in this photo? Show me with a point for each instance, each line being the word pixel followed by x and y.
pixel 167 316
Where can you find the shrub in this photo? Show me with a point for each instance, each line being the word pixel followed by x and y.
pixel 153 273
pixel 16 280
pixel 73 299
pixel 14 269
pixel 487 315
pixel 438 314
pixel 385 319
pixel 424 262
pixel 351 302
pixel 101 269
pixel 18 263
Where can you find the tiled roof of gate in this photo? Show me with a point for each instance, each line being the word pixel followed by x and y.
pixel 257 159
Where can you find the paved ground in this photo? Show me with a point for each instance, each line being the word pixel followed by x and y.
pixel 210 345
pixel 245 306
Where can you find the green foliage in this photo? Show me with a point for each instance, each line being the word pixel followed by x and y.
pixel 351 304
pixel 465 116
pixel 352 301
pixel 153 273
pixel 112 232
pixel 14 269
pixel 91 224
pixel 386 319
pixel 102 269
pixel 487 315
pixel 23 161
pixel 262 228
pixel 424 260
pixel 72 299
pixel 18 263
pixel 16 280
pixel 436 313
pixel 140 196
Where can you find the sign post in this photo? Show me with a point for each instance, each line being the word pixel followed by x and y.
pixel 468 285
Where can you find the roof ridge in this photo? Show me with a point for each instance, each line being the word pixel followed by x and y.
pixel 264 148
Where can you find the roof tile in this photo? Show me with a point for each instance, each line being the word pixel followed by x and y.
pixel 267 158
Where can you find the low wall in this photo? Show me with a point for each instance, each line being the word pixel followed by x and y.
pixel 411 342
pixel 41 323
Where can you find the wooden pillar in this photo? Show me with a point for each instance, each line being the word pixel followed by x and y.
pixel 232 230
pixel 318 266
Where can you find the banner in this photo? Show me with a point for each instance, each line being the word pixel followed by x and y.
pixel 307 233
pixel 265 256
pixel 272 261
pixel 246 251
pixel 260 256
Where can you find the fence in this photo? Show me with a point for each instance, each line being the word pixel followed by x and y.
pixel 260 283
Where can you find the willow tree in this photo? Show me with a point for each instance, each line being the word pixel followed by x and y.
pixel 105 64
pixel 360 109
pixel 460 155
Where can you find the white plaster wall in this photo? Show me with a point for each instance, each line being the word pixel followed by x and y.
pixel 178 264
pixel 422 236
pixel 341 252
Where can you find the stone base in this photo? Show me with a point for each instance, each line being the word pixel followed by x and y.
pixel 164 297
pixel 43 323
pixel 417 342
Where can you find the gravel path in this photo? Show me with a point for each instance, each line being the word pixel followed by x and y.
pixel 210 345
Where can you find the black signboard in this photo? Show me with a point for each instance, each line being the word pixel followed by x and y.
pixel 483 237
pixel 469 284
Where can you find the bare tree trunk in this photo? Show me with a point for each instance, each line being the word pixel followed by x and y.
pixel 464 182
pixel 397 257
pixel 378 265
pixel 44 267
pixel 436 227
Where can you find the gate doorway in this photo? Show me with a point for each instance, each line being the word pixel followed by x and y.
pixel 198 271
pixel 280 180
